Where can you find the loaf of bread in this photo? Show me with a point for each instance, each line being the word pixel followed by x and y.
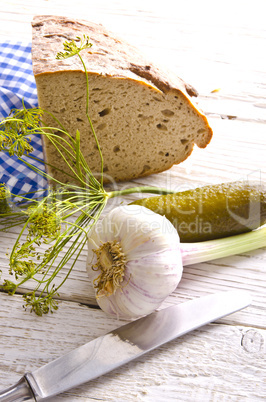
pixel 144 119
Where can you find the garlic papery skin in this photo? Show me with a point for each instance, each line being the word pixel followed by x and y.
pixel 134 261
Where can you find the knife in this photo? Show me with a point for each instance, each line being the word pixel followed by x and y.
pixel 122 345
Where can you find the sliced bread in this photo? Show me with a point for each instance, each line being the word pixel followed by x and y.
pixel 144 119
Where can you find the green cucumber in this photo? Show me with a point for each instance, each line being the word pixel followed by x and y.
pixel 212 211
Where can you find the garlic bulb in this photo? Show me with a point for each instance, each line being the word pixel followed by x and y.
pixel 134 261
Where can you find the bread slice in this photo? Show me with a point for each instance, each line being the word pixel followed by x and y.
pixel 144 119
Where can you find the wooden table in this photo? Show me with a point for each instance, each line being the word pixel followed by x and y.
pixel 212 46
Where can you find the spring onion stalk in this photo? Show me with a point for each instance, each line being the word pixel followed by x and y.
pixel 193 253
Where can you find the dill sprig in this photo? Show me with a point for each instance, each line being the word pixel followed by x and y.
pixel 65 215
pixel 16 131
pixel 4 199
pixel 71 48
pixel 51 221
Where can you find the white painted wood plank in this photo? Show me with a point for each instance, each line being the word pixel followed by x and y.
pixel 211 48
pixel 216 362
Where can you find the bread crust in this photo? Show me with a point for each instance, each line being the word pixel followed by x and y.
pixel 111 56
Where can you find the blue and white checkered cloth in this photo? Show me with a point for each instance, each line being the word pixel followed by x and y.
pixel 17 83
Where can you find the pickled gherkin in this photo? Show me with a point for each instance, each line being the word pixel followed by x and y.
pixel 212 211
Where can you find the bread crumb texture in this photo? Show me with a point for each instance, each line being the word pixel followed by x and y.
pixel 144 119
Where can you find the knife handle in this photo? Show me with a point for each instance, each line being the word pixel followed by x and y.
pixel 19 392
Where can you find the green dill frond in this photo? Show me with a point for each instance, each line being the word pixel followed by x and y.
pixel 21 262
pixel 71 48
pixel 31 117
pixel 40 305
pixel 4 199
pixel 16 131
pixel 9 287
pixel 4 192
pixel 44 222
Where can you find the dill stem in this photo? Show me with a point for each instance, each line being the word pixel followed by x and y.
pixel 88 117
pixel 144 189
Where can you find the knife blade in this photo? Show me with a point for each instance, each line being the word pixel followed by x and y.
pixel 122 345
